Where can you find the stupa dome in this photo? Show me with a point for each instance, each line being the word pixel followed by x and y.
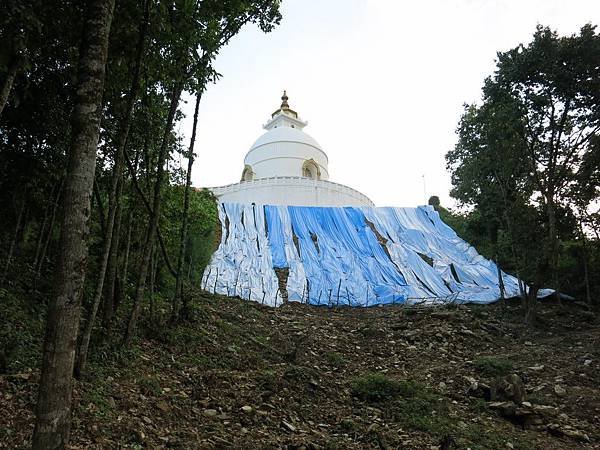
pixel 285 150
pixel 286 166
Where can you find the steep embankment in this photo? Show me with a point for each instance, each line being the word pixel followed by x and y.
pixel 243 375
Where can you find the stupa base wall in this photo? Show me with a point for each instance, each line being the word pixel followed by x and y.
pixel 296 191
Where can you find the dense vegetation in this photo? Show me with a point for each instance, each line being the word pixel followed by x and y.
pixel 90 164
pixel 527 164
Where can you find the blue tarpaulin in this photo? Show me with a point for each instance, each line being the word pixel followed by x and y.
pixel 348 256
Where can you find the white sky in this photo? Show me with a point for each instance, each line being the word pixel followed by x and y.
pixel 381 83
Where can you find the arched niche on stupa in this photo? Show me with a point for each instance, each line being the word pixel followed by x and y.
pixel 310 169
pixel 247 173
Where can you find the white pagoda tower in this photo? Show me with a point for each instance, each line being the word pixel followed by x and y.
pixel 286 166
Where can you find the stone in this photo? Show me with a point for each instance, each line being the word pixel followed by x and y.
pixel 559 390
pixel 210 412
pixel 509 388
pixel 163 406
pixel 247 409
pixel 507 409
pixel 288 426
pixel 575 434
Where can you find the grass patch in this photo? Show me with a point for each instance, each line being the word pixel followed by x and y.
pixel 150 386
pixel 347 425
pixel 269 380
pixel 405 401
pixel 493 367
pixel 376 387
pixel 481 437
pixel 335 359
pixel 96 401
pixel 369 331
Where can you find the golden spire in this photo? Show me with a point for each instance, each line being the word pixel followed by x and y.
pixel 285 107
pixel 284 101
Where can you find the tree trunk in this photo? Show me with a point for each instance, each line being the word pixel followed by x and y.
pixel 53 413
pixel 101 213
pixel 113 267
pixel 531 304
pixel 112 199
pixel 13 242
pixel 49 233
pixel 500 281
pixel 153 267
pixel 552 248
pixel 124 276
pixel 8 82
pixel 584 255
pixel 154 217
pixel 40 237
pixel 175 313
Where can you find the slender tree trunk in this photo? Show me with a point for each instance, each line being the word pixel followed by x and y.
pixel 13 242
pixel 53 414
pixel 552 248
pixel 586 277
pixel 50 231
pixel 101 213
pixel 153 266
pixel 189 271
pixel 175 313
pixel 154 217
pixel 112 201
pixel 531 306
pixel 113 267
pixel 500 281
pixel 125 273
pixel 8 82
pixel 40 237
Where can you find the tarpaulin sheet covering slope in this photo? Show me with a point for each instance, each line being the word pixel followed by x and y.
pixel 348 256
pixel 242 264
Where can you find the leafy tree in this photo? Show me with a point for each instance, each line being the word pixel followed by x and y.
pixel 148 232
pixel 525 155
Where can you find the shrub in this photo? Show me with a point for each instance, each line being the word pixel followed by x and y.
pixel 493 367
pixel 375 387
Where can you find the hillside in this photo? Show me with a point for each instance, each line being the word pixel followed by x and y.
pixel 241 375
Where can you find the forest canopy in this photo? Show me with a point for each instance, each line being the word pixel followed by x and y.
pixel 527 162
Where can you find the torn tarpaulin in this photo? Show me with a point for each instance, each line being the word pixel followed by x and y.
pixel 348 256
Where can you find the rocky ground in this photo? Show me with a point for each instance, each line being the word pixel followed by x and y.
pixel 245 376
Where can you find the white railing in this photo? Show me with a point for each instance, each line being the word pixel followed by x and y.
pixel 234 187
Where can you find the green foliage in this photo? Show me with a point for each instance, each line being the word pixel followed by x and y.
pixel 21 331
pixel 174 45
pixel 493 367
pixel 203 224
pixel 335 359
pixel 347 424
pixel 376 387
pixel 523 161
pixel 150 386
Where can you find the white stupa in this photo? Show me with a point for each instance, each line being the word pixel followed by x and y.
pixel 286 166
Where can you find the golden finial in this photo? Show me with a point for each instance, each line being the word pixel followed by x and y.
pixel 284 101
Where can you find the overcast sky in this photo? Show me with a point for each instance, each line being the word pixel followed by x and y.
pixel 380 82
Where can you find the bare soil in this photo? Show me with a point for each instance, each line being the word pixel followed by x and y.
pixel 241 375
